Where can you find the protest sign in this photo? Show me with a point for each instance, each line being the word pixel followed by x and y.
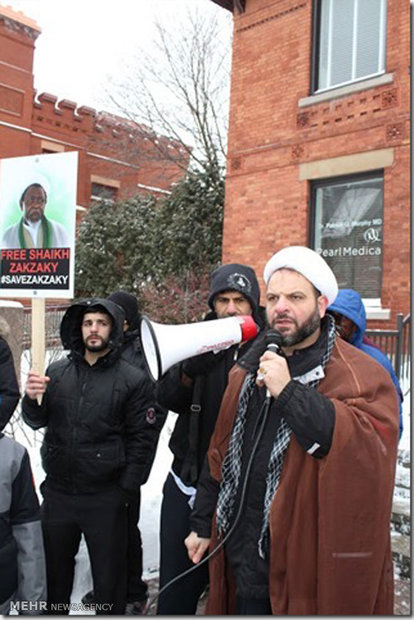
pixel 37 234
pixel 37 225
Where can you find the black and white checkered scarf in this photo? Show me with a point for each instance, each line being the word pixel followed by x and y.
pixel 231 469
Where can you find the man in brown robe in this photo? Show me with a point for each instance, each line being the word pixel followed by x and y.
pixel 301 465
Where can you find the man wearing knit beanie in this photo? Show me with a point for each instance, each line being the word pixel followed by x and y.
pixel 194 389
pixel 235 278
pixel 299 475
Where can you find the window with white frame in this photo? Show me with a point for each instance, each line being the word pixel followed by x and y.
pixel 349 40
pixel 347 230
pixel 103 192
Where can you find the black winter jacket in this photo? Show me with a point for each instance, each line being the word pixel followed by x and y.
pixel 131 351
pixel 193 429
pixel 99 418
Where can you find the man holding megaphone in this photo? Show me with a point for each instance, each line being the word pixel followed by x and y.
pixel 193 389
pixel 301 464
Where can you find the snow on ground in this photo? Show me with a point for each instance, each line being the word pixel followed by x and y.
pixel 151 495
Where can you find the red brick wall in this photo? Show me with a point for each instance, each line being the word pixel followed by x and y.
pixel 270 135
pixel 16 76
pixel 108 146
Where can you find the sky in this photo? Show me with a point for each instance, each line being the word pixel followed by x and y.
pixel 84 41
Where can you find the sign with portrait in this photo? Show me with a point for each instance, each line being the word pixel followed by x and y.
pixel 37 225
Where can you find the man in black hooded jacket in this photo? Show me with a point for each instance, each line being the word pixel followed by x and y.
pixel 97 444
pixel 194 389
pixel 131 350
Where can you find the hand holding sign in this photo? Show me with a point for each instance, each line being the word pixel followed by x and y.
pixel 36 385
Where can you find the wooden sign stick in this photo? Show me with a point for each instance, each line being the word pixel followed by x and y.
pixel 38 338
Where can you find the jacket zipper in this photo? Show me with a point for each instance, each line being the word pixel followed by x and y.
pixel 75 429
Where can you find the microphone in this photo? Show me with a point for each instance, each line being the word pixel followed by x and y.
pixel 273 343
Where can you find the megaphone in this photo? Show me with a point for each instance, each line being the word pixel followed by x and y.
pixel 166 345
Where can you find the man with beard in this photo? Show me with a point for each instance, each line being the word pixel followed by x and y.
pixel 34 229
pixel 97 409
pixel 131 350
pixel 304 450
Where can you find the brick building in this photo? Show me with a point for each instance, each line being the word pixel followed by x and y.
pixel 319 141
pixel 116 158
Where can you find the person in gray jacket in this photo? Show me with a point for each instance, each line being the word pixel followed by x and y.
pixel 22 559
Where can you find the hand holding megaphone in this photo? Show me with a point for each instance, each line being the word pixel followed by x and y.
pixel 201 364
pixel 166 345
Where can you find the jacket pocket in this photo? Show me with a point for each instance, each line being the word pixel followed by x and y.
pixel 100 463
pixel 54 460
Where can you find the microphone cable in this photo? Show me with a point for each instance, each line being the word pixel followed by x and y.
pixel 263 414
pixel 273 342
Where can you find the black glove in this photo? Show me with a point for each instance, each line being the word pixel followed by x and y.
pixel 201 364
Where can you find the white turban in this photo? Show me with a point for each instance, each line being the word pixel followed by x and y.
pixel 308 263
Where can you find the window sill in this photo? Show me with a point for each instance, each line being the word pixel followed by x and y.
pixel 378 314
pixel 102 199
pixel 343 91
